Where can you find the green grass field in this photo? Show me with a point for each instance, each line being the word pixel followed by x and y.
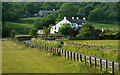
pixel 98 52
pixel 30 18
pixel 110 26
pixel 18 25
pixel 16 58
pixel 113 44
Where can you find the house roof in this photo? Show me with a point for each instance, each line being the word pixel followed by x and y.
pixel 78 21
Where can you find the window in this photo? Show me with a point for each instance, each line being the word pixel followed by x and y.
pixel 54 31
pixel 55 28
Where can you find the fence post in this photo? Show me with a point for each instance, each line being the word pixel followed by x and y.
pixel 113 67
pixel 77 57
pixel 119 68
pixel 95 62
pixel 51 50
pixel 68 54
pixel 90 60
pixel 71 55
pixel 65 53
pixel 106 65
pixel 85 59
pixel 100 64
pixel 57 50
pixel 81 58
pixel 74 56
pixel 62 52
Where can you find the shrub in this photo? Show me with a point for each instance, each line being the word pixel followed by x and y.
pixel 13 33
pixel 87 30
pixel 33 32
pixel 65 30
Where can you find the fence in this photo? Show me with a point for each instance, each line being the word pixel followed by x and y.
pixel 97 62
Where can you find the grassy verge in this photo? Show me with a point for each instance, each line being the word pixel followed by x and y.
pixel 103 53
pixel 16 58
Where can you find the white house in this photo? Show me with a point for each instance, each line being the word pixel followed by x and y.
pixel 75 24
pixel 40 31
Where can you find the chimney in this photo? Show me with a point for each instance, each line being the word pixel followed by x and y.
pixel 77 17
pixel 84 18
pixel 72 17
pixel 64 18
pixel 53 9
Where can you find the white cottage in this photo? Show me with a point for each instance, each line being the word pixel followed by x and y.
pixel 40 31
pixel 75 24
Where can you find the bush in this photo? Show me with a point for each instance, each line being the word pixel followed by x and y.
pixel 31 46
pixel 65 30
pixel 33 32
pixel 87 30
pixel 56 54
pixel 13 33
pixel 117 36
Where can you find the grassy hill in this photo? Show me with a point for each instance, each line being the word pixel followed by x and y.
pixel 18 25
pixel 19 59
pixel 30 18
pixel 110 26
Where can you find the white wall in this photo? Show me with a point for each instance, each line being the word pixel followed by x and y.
pixel 58 25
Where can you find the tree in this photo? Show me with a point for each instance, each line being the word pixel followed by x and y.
pixel 46 31
pixel 65 30
pixel 96 15
pixel 13 33
pixel 33 32
pixel 68 10
pixel 86 30
pixel 44 22
pixel 5 31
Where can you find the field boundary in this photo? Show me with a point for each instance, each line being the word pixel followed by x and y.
pixel 100 63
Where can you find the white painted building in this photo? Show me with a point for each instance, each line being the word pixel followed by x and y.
pixel 75 24
pixel 40 31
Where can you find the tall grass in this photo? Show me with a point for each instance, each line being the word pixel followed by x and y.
pixel 108 54
pixel 113 44
pixel 19 59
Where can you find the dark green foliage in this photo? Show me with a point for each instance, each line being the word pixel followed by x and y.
pixel 5 31
pixel 96 14
pixel 59 46
pixel 46 31
pixel 31 46
pixel 44 22
pixel 117 36
pixel 56 54
pixel 25 31
pixel 68 10
pixel 65 30
pixel 33 32
pixel 12 33
pixel 86 30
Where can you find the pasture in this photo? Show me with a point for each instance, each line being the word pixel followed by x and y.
pixel 16 58
pixel 110 26
pixel 113 44
pixel 98 52
pixel 18 25
pixel 30 18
